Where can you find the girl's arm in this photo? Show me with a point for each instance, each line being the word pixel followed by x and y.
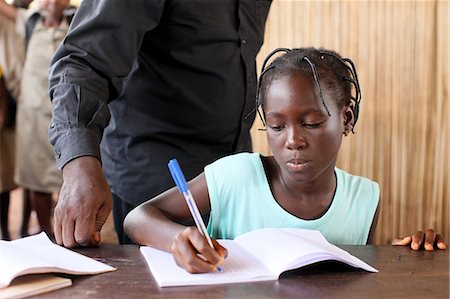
pixel 156 223
pixel 370 239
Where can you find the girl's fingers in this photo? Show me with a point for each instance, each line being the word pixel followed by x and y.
pixel 417 240
pixel 429 240
pixel 222 251
pixel 430 236
pixel 192 252
pixel 202 246
pixel 402 242
pixel 440 242
pixel 186 256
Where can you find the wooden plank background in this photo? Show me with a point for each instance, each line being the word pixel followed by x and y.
pixel 401 52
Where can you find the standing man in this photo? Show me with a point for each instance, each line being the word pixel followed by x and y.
pixel 172 78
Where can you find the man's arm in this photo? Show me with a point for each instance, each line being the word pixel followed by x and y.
pixel 85 75
pixel 88 69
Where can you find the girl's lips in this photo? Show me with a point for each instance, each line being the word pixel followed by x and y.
pixel 297 164
pixel 297 161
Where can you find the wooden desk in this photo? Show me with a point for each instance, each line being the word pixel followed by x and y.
pixel 403 274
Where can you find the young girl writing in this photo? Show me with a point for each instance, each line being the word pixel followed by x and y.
pixel 310 99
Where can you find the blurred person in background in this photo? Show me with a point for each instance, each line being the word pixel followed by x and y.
pixel 42 29
pixel 11 63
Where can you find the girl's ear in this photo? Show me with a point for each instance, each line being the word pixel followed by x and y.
pixel 349 120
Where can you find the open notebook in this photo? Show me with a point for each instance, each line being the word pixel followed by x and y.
pixel 38 254
pixel 259 255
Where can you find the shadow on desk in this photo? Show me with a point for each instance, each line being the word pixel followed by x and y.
pixel 323 268
pixel 403 274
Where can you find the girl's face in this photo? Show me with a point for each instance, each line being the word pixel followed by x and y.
pixel 304 140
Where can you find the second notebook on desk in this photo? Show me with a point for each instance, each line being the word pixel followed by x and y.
pixel 255 256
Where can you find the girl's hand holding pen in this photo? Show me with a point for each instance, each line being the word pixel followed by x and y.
pixel 429 240
pixel 192 252
pixel 192 248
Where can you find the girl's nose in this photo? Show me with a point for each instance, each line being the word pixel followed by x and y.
pixel 294 139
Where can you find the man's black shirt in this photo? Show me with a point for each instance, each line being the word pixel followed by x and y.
pixel 173 79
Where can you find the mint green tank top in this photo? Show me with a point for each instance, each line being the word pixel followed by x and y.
pixel 242 201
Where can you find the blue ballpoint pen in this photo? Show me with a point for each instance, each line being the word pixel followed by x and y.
pixel 180 180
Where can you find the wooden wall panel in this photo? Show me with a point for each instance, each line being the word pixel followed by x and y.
pixel 401 51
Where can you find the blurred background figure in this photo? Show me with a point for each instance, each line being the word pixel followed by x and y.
pixel 6 153
pixel 41 30
pixel 11 63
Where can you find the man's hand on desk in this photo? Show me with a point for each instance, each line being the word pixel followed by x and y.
pixel 84 203
pixel 429 240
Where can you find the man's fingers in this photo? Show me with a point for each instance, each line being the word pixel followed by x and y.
pixel 103 214
pixel 57 229
pixel 84 231
pixel 97 237
pixel 68 239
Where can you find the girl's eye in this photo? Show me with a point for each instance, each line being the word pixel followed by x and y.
pixel 276 128
pixel 312 125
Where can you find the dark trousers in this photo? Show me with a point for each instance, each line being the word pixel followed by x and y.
pixel 120 210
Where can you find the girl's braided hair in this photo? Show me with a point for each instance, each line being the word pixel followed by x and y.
pixel 329 70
